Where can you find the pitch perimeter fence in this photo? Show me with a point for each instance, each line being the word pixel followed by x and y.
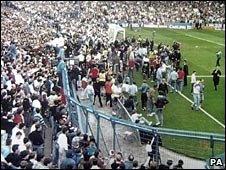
pixel 120 134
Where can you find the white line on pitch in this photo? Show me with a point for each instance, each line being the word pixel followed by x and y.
pixel 206 76
pixel 204 39
pixel 221 124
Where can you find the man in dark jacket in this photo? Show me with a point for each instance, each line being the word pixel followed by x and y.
pixel 14 157
pixel 163 87
pixel 36 138
pixel 10 124
pixel 97 87
pixel 160 105
pixel 216 77
pixel 186 73
pixel 129 104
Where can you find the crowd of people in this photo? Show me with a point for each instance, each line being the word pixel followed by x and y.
pixel 32 97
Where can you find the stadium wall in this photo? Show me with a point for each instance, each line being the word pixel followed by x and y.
pixel 175 26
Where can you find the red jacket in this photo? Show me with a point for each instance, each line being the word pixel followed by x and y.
pixel 18 119
pixel 94 73
pixel 131 64
pixel 107 86
pixel 181 75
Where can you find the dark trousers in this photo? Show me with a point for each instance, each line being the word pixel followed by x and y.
pixel 218 62
pixel 215 85
pixel 144 99
pixel 192 87
pixel 154 155
pixel 108 97
pixel 185 80
pixel 98 94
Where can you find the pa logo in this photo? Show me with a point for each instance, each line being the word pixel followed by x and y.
pixel 216 162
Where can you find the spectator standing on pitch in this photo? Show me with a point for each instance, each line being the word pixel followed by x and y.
pixel 216 77
pixel 186 73
pixel 163 87
pixel 133 91
pixel 144 89
pixel 160 105
pixel 218 55
pixel 193 80
pixel 196 95
pixel 202 90
pixel 173 80
pixel 180 79
pixel 151 100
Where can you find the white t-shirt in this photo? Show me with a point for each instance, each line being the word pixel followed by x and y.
pixel 196 88
pixel 126 87
pixel 63 143
pixel 116 91
pixel 31 89
pixel 51 99
pixel 19 79
pixel 17 141
pixel 81 58
pixel 133 89
pixel 193 78
pixel 15 130
pixel 36 104
pixel 33 128
pixel 9 85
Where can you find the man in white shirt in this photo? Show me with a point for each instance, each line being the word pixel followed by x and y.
pixel 116 91
pixel 133 91
pixel 126 87
pixel 18 128
pixel 18 78
pixel 159 76
pixel 81 58
pixel 193 80
pixel 173 80
pixel 31 88
pixel 89 92
pixel 53 96
pixel 36 104
pixel 62 141
pixel 196 96
pixel 17 139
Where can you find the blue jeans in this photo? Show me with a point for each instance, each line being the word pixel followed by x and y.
pixel 173 84
pixel 38 148
pixel 150 106
pixel 159 115
pixel 180 84
pixel 196 98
